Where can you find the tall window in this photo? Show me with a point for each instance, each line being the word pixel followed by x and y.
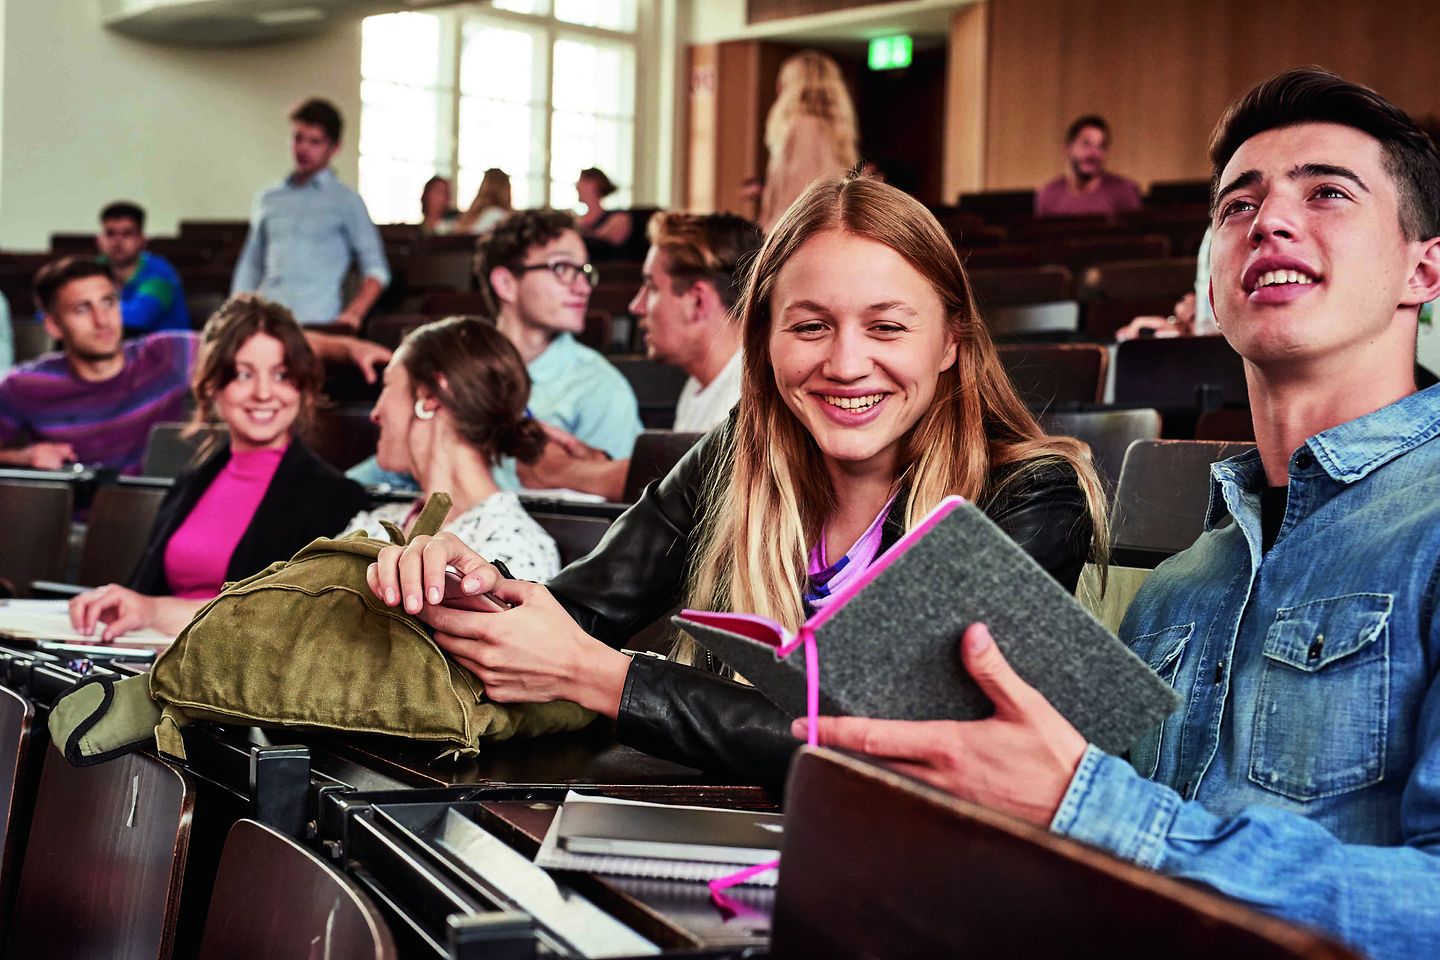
pixel 538 88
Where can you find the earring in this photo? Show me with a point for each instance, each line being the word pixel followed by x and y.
pixel 421 413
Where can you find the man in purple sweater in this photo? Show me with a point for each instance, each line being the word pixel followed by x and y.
pixel 95 400
pixel 1086 189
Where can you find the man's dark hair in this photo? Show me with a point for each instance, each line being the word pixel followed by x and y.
pixel 319 113
pixel 508 243
pixel 50 278
pixel 1312 95
pixel 1089 120
pixel 715 247
pixel 125 210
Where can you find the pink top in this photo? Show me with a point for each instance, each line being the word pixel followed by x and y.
pixel 199 551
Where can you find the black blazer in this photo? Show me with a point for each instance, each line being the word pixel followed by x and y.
pixel 307 498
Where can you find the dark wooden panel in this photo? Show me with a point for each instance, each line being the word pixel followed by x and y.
pixel 275 899
pixel 105 861
pixel 865 876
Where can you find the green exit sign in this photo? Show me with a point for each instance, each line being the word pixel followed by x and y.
pixel 890 53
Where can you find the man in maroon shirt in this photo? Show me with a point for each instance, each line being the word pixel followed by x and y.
pixel 1086 189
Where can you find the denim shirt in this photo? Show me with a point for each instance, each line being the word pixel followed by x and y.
pixel 1302 771
pixel 302 240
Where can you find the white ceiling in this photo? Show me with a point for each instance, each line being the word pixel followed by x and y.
pixel 227 22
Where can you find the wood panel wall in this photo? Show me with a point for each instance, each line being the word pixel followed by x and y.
pixel 1162 72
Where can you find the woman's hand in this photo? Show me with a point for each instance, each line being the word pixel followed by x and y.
pixel 117 608
pixel 415 573
pixel 533 652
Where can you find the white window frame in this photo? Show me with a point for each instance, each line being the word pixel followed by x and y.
pixel 549 29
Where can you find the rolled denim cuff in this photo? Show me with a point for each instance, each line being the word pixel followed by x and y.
pixel 1108 805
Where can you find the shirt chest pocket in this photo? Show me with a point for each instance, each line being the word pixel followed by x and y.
pixel 1161 651
pixel 1323 704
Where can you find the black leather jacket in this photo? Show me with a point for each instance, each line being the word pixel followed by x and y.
pixel 639 573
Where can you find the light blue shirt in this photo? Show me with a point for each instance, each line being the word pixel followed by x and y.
pixel 302 240
pixel 576 389
pixel 1302 772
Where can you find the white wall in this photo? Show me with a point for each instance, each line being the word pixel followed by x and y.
pixel 88 116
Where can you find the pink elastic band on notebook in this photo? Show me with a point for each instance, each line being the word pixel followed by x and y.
pixel 805 636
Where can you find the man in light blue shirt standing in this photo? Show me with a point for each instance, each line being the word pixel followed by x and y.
pixel 1301 773
pixel 307 230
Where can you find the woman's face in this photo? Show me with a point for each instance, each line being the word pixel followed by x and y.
pixel 394 414
pixel 260 405
pixel 436 200
pixel 858 340
pixel 588 189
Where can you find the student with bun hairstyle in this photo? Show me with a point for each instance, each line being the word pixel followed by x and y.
pixel 453 403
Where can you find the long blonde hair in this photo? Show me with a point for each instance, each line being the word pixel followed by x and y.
pixel 810 84
pixel 494 192
pixel 769 495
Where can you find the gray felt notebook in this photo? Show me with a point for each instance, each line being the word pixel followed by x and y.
pixel 889 642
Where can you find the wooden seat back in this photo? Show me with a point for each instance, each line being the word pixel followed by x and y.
pixel 1162 496
pixel 35 516
pixel 275 899
pixel 879 866
pixel 105 861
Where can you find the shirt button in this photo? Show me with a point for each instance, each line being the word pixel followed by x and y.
pixel 1316 647
pixel 1304 460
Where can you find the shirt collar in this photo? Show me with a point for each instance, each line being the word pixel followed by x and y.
pixel 554 361
pixel 319 181
pixel 1348 452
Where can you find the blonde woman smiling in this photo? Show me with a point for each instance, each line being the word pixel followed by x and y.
pixel 871 391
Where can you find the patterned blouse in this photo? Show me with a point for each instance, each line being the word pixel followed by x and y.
pixel 498 528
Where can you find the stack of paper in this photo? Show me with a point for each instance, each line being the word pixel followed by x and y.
pixel 659 841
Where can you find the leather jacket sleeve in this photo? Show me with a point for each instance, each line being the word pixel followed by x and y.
pixel 694 717
pixel 638 572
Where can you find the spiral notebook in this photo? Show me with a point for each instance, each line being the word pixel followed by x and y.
pixel 888 642
pixel 678 842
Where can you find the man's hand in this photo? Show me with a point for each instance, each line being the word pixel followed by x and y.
pixel 338 348
pixel 368 356
pixel 1019 761
pixel 48 456
pixel 559 470
pixel 571 444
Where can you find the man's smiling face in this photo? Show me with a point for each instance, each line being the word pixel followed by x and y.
pixel 1308 255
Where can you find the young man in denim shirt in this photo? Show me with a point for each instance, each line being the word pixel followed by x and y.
pixel 1302 772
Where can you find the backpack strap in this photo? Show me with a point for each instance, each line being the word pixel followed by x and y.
pixel 437 507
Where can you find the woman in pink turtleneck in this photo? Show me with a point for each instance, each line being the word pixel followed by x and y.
pixel 254 500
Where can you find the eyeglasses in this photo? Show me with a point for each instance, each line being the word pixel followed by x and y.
pixel 565 271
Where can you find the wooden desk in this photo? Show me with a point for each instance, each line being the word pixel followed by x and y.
pixel 589 756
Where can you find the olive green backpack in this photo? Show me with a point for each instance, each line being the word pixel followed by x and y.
pixel 303 643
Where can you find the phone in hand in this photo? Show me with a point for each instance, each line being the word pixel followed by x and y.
pixel 460 600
